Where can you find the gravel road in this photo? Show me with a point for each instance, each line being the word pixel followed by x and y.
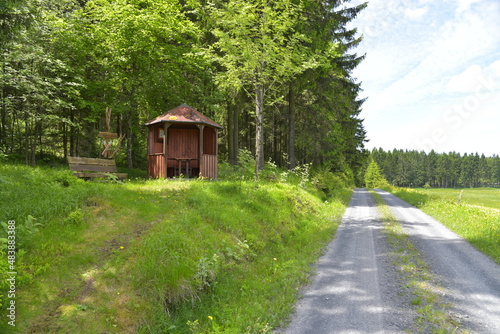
pixel 356 288
pixel 471 278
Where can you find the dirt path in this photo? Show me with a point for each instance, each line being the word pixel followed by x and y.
pixel 357 290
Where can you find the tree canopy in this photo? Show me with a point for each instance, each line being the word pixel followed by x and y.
pixel 275 74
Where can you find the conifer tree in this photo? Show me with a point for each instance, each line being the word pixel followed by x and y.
pixel 373 176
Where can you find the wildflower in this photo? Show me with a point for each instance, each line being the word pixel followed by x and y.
pixel 275 259
pixel 210 317
pixel 121 247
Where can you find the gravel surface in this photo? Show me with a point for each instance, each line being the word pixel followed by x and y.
pixel 471 278
pixel 356 288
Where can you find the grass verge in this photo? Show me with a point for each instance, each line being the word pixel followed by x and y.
pixel 423 288
pixel 479 225
pixel 160 256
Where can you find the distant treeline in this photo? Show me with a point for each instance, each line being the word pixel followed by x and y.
pixel 446 170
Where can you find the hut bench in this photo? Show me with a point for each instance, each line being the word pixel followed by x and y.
pixel 92 168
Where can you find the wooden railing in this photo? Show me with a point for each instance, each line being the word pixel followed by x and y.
pixel 156 165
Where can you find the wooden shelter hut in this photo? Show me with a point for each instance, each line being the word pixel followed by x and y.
pixel 182 141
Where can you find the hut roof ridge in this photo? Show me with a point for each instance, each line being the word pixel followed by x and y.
pixel 183 114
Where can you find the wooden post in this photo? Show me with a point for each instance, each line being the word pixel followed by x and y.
pixel 201 127
pixel 216 143
pixel 165 149
pixel 460 196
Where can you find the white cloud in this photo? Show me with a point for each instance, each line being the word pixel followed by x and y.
pixel 416 13
pixel 466 81
pixel 464 5
pixel 423 58
pixel 474 77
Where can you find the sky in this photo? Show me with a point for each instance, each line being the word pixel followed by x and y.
pixel 431 74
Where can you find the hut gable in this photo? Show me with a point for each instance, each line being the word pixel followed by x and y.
pixel 183 114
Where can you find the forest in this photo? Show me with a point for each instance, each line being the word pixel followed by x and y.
pixel 276 74
pixel 406 168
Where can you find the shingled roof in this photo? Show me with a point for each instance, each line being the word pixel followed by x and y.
pixel 183 114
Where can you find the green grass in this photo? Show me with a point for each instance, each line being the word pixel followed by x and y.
pixel 476 218
pixel 485 197
pixel 161 256
pixel 423 288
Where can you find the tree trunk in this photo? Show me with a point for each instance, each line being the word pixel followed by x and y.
pixel 236 128
pixel 65 140
pixel 72 135
pixel 232 135
pixel 276 153
pixel 130 163
pixel 291 127
pixel 26 143
pixel 259 129
pixel 3 125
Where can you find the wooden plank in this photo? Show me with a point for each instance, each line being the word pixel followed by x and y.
pixel 156 166
pixel 108 135
pixel 91 161
pixel 100 175
pixel 92 168
pixel 209 166
pixel 183 143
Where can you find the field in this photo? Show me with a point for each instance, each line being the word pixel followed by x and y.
pixel 476 218
pixel 158 256
pixel 485 197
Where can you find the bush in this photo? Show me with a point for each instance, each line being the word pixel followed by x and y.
pixel 328 182
pixel 244 170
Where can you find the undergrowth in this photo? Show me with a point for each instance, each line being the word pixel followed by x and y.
pixel 161 256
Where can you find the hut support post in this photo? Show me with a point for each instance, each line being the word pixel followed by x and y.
pixel 201 127
pixel 165 149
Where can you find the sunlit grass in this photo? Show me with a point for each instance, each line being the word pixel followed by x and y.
pixel 476 218
pixel 162 256
pixel 485 197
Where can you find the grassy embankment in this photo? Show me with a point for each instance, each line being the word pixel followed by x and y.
pixel 476 218
pixel 159 256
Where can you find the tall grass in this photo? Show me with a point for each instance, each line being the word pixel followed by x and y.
pixel 480 225
pixel 42 192
pixel 235 259
pixel 160 256
pixel 37 199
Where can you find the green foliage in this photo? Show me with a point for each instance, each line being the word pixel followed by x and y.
pixel 75 217
pixel 25 231
pixel 42 192
pixel 373 176
pixel 443 170
pixel 244 170
pixel 65 61
pixel 330 183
